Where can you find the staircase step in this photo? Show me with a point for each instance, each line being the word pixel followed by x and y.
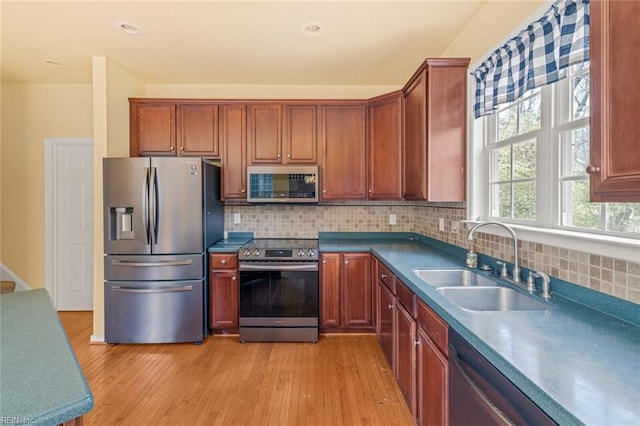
pixel 7 287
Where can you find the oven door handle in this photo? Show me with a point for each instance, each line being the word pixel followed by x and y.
pixel 278 267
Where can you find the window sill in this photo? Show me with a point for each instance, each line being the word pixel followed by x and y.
pixel 603 245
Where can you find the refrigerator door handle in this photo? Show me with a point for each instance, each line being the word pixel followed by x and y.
pixel 152 290
pixel 152 264
pixel 145 204
pixel 153 205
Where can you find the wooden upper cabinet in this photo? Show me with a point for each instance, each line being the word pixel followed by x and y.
pixel 385 147
pixel 152 128
pixel 300 134
pixel 198 130
pixel 615 101
pixel 233 140
pixel 435 131
pixel 344 146
pixel 264 133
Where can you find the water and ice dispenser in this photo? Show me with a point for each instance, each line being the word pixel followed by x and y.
pixel 121 223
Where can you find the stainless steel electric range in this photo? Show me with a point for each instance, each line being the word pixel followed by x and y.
pixel 279 295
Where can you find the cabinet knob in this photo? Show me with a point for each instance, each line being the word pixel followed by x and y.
pixel 243 190
pixel 223 261
pixel 170 148
pixel 346 262
pixel 383 276
pixel 324 191
pixel 288 155
pixel 182 148
pixel 278 155
pixel 233 278
pixel 324 262
pixel 417 342
pixel 591 170
pixel 390 306
pixel 370 191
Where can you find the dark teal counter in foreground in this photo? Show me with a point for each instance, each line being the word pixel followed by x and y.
pixel 40 379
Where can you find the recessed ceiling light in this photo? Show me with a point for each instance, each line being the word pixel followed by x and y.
pixel 53 63
pixel 312 29
pixel 128 27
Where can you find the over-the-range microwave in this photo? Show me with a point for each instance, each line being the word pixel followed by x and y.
pixel 282 184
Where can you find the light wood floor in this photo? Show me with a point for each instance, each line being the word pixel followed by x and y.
pixel 341 380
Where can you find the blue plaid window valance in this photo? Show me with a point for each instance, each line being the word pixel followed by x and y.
pixel 539 55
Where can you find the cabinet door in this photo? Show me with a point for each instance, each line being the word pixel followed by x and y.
pixel 615 101
pixel 385 150
pixel 386 321
pixel 152 129
pixel 356 289
pixel 233 138
pixel 433 383
pixel 330 289
pixel 343 141
pixel 406 355
pixel 300 135
pixel 198 130
pixel 265 133
pixel 223 299
pixel 447 132
pixel 414 142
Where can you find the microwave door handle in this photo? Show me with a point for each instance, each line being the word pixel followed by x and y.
pixel 145 205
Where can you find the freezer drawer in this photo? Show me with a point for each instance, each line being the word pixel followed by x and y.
pixel 154 311
pixel 154 267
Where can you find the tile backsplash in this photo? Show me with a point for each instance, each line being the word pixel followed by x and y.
pixel 612 276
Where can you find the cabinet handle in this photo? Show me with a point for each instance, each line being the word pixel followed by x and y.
pixel 233 278
pixel 591 170
pixel 390 306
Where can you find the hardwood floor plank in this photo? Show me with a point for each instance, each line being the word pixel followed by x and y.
pixel 341 380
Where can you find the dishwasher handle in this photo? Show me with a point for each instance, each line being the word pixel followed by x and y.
pixel 152 290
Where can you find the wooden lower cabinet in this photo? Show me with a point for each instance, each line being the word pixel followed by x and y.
pixel 414 340
pixel 432 368
pixel 386 322
pixel 223 292
pixel 345 291
pixel 406 355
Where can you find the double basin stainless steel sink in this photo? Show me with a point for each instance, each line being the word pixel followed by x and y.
pixel 474 292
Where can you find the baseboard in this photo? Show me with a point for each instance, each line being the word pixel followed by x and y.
pixel 96 339
pixel 7 274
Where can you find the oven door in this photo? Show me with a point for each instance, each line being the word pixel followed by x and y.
pixel 283 291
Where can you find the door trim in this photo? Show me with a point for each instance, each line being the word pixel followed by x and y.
pixel 50 146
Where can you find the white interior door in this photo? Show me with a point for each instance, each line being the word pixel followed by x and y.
pixel 71 215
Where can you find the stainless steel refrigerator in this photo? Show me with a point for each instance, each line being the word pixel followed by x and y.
pixel 160 216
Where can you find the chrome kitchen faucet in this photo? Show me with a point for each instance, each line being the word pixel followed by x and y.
pixel 516 269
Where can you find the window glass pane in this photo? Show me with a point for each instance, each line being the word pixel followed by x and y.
pixel 577 211
pixel 524 160
pixel 507 123
pixel 574 157
pixel 501 164
pixel 530 114
pixel 580 96
pixel 623 217
pixel 524 200
pixel 501 200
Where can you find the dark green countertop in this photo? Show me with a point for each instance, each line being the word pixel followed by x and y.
pixel 40 379
pixel 580 362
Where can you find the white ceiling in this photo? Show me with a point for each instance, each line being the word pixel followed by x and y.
pixel 230 42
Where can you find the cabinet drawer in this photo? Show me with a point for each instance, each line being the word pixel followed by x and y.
pixel 435 326
pixel 387 277
pixel 406 297
pixel 223 261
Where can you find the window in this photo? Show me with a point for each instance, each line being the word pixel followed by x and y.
pixel 537 149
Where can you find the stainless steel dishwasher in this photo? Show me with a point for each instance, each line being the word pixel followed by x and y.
pixel 480 395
